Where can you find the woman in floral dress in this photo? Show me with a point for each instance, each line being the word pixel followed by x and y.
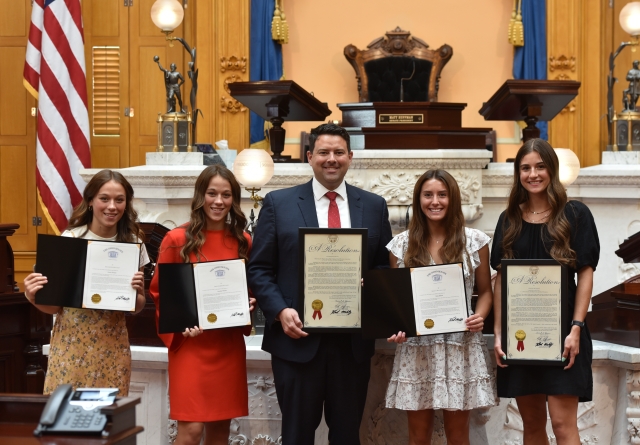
pixel 452 372
pixel 90 347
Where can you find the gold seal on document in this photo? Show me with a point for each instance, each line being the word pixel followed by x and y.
pixel 96 298
pixel 428 323
pixel 521 335
pixel 317 305
pixel 212 318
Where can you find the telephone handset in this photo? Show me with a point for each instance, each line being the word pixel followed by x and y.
pixel 68 411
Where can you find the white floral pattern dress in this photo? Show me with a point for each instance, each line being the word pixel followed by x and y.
pixel 444 371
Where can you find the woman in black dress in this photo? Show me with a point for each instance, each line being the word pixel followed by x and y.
pixel 540 223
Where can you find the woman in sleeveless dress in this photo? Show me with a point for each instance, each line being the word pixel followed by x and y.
pixel 90 347
pixel 451 372
pixel 540 223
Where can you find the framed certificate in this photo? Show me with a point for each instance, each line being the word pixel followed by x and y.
pixel 332 262
pixel 534 307
pixel 93 275
pixel 211 295
pixel 418 301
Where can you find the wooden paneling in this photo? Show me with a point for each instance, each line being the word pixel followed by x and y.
pixel 227 38
pixel 17 128
pixel 577 50
pixel 104 18
pixel 13 20
pixel 14 204
pixel 151 91
pixel 143 25
pixel 105 156
pixel 111 19
pixel 22 266
pixel 13 106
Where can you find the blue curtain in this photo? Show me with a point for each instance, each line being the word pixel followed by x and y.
pixel 265 56
pixel 530 60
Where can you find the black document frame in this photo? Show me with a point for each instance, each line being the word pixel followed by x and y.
pixel 388 305
pixel 65 279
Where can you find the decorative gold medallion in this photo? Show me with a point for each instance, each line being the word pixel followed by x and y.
pixel 212 318
pixel 317 305
pixel 428 323
pixel 96 298
pixel 520 336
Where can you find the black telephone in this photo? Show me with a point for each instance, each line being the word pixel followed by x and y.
pixel 68 411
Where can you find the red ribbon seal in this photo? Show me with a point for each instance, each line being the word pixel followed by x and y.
pixel 319 314
pixel 520 346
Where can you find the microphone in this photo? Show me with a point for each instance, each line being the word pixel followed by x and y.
pixel 413 59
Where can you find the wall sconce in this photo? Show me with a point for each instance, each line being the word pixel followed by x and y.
pixel 253 168
pixel 630 23
pixel 569 166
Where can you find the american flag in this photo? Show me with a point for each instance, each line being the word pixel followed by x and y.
pixel 54 72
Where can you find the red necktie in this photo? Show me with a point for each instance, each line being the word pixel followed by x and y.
pixel 334 214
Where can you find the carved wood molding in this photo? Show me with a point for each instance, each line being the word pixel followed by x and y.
pixel 233 63
pixel 562 64
pixel 229 104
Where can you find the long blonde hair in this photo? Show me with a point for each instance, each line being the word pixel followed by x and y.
pixel 453 247
pixel 557 227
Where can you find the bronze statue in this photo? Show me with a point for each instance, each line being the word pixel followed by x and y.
pixel 173 80
pixel 630 95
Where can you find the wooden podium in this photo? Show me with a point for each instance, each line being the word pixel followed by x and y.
pixel 20 414
pixel 23 329
pixel 277 101
pixel 531 101
pixel 615 313
pixel 411 125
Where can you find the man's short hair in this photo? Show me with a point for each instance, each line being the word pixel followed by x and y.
pixel 331 129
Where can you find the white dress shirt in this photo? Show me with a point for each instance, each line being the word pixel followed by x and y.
pixel 322 204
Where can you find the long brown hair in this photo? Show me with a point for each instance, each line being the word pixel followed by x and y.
pixel 128 229
pixel 557 227
pixel 194 230
pixel 455 240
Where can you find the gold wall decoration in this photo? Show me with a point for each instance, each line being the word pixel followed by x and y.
pixel 562 65
pixel 233 63
pixel 230 105
pixel 231 79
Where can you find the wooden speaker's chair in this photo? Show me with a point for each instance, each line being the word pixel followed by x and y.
pixel 390 58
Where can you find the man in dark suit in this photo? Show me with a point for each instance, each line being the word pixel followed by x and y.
pixel 314 370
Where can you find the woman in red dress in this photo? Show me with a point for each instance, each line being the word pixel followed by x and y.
pixel 207 369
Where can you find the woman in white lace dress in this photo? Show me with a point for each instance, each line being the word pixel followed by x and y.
pixel 452 372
